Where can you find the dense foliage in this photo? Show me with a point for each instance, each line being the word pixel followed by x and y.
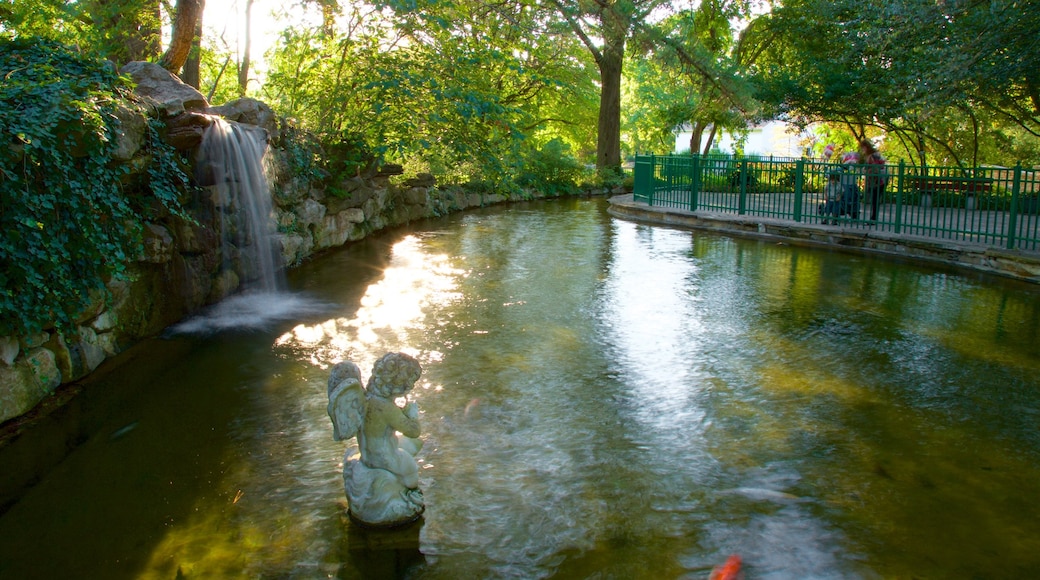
pixel 463 94
pixel 945 83
pixel 70 218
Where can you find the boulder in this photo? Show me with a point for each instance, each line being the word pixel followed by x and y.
pixel 415 196
pixel 130 137
pixel 27 382
pixel 164 90
pixel 9 349
pixel 309 213
pixel 421 180
pixel 250 112
pixel 184 131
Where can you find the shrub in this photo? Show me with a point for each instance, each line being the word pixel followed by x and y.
pixel 69 221
pixel 552 169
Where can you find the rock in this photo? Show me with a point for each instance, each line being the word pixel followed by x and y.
pixel 371 208
pixel 352 216
pixel 355 195
pixel 43 365
pixel 224 284
pixel 389 169
pixel 193 239
pixel 38 339
pixel 309 213
pixel 415 196
pixel 109 343
pixel 295 248
pixel 77 356
pixel 105 322
pixel 130 137
pixel 421 180
pixel 27 382
pixel 250 112
pixel 157 244
pixel 184 132
pixel 91 352
pixel 163 89
pixel 9 349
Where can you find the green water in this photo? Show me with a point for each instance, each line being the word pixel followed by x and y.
pixel 600 399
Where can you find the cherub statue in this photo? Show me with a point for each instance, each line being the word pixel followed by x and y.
pixel 382 486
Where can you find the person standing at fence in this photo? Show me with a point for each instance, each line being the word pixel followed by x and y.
pixel 875 176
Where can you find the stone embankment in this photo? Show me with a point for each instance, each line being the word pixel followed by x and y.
pixel 181 268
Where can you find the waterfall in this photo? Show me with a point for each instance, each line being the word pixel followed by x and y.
pixel 231 164
pixel 232 155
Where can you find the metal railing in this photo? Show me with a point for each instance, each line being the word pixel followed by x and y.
pixel 994 206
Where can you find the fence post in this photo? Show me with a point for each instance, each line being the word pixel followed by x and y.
pixel 799 176
pixel 1016 187
pixel 742 196
pixel 653 181
pixel 898 225
pixel 643 180
pixel 695 180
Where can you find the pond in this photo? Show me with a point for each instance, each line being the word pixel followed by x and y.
pixel 599 399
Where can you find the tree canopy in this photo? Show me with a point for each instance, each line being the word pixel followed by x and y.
pixel 474 90
pixel 946 82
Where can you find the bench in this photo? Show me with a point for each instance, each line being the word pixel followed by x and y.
pixel 932 184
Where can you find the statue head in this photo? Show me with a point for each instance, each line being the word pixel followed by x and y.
pixel 393 375
pixel 346 400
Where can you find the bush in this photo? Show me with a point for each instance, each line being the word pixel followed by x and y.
pixel 551 169
pixel 68 221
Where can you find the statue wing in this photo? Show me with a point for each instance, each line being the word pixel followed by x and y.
pixel 346 401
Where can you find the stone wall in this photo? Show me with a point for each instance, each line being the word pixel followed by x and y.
pixel 180 268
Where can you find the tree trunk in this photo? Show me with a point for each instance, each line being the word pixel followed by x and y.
pixel 696 134
pixel 329 8
pixel 191 74
pixel 185 21
pixel 711 139
pixel 243 69
pixel 608 144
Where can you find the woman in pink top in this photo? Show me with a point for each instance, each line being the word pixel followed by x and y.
pixel 875 176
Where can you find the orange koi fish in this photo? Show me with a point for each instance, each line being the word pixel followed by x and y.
pixel 728 571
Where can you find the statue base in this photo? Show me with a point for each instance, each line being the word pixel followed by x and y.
pixel 376 498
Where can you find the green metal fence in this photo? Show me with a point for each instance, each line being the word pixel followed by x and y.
pixel 995 206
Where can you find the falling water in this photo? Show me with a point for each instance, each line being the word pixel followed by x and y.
pixel 231 160
pixel 233 154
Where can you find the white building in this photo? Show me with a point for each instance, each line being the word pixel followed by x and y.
pixel 771 138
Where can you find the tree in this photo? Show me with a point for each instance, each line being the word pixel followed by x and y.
pixel 186 22
pixel 689 72
pixel 930 75
pixel 192 72
pixel 610 22
pixel 129 29
pixel 243 67
pixel 460 90
pixel 118 30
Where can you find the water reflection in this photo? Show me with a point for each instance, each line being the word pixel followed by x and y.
pixel 414 284
pixel 600 399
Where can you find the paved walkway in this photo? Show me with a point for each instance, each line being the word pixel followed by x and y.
pixel 989 228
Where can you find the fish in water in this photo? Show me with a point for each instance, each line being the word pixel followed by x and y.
pixel 762 494
pixel 123 431
pixel 728 571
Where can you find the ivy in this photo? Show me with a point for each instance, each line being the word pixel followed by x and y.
pixel 70 219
